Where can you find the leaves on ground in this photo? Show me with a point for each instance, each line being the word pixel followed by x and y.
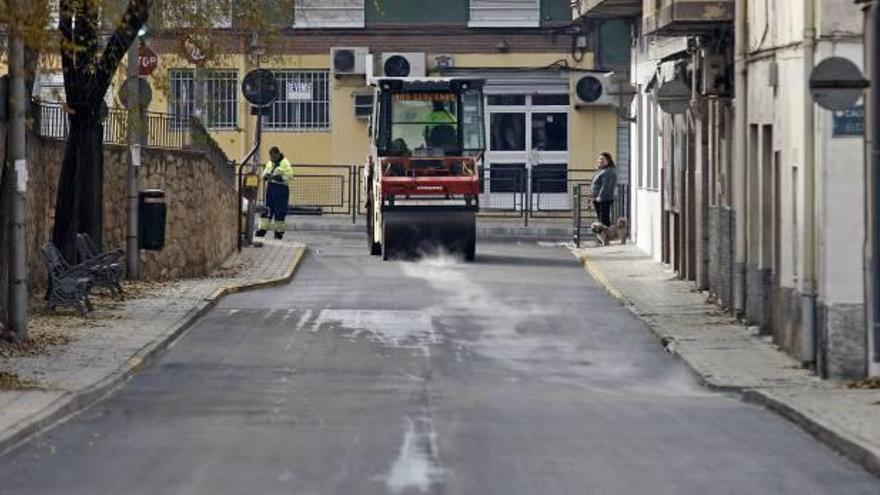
pixel 139 289
pixel 11 381
pixel 866 384
pixel 39 342
pixel 229 270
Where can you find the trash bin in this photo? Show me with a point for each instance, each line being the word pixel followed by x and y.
pixel 151 219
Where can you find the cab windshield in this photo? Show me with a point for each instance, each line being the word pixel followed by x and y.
pixel 424 123
pixel 430 124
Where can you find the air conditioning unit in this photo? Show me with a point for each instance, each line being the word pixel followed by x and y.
pixel 363 105
pixel 713 75
pixel 403 65
pixel 594 90
pixel 349 60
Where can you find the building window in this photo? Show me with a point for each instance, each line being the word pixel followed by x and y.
pixel 181 96
pixel 505 13
pixel 329 14
pixel 220 97
pixel 303 103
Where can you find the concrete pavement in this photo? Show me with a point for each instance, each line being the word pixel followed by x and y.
pixel 513 375
pixel 109 346
pixel 725 355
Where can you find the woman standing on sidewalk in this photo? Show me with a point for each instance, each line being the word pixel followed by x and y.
pixel 603 187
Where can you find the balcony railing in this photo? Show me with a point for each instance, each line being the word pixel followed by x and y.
pixel 161 130
pixel 679 17
pixel 609 8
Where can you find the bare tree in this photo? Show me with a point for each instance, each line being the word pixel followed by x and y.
pixel 88 72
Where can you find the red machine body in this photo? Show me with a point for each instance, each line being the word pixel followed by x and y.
pixel 449 176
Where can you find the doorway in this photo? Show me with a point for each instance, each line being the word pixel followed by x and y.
pixel 528 152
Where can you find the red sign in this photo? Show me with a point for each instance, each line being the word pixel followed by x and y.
pixel 147 60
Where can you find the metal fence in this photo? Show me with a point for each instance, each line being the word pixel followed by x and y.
pixel 325 190
pixel 503 192
pixel 161 130
pixel 584 214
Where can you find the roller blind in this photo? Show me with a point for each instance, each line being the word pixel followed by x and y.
pixel 519 82
pixel 505 13
pixel 329 14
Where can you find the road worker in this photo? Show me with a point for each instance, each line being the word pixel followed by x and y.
pixel 439 117
pixel 278 175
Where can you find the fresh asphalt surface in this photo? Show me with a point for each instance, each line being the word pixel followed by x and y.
pixel 513 375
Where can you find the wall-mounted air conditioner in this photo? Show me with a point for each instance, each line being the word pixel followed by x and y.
pixel 403 65
pixel 363 104
pixel 349 60
pixel 713 75
pixel 594 90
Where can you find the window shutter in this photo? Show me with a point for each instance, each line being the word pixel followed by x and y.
pixel 329 14
pixel 505 13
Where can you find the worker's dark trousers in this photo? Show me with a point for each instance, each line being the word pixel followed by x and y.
pixel 277 198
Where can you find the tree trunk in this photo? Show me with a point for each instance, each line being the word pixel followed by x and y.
pixel 79 204
pixel 5 187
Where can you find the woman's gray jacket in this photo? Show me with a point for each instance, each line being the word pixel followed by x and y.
pixel 604 184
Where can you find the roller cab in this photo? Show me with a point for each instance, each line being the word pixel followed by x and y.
pixel 421 180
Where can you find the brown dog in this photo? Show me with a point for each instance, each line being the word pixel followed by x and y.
pixel 606 234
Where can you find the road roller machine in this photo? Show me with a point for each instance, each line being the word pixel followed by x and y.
pixel 421 180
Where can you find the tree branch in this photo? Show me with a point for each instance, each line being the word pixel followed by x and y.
pixel 65 25
pixel 132 21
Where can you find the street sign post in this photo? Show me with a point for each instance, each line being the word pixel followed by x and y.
pixel 196 48
pixel 836 83
pixel 148 61
pixel 260 89
pixel 135 87
pixel 674 97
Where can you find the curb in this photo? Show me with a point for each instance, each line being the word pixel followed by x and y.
pixel 71 403
pixel 840 441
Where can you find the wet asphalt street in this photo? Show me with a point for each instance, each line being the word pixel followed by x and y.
pixel 513 375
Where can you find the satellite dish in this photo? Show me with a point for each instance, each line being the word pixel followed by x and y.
pixel 674 97
pixel 397 66
pixel 836 83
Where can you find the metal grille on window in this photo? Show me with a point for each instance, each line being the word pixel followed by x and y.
pixel 221 91
pixel 303 103
pixel 181 101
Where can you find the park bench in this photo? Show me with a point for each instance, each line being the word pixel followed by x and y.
pixel 106 267
pixel 69 285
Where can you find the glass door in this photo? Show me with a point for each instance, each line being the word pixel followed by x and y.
pixel 527 155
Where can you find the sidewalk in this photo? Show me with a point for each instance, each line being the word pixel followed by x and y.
pixel 74 361
pixel 727 356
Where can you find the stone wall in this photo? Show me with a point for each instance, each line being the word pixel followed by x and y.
pixel 201 201
pixel 721 242
pixel 842 341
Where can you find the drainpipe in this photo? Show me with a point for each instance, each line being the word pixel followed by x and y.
pixel 739 152
pixel 873 175
pixel 807 248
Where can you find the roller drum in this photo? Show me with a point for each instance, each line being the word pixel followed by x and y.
pixel 411 232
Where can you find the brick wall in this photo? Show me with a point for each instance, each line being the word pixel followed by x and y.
pixel 202 204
